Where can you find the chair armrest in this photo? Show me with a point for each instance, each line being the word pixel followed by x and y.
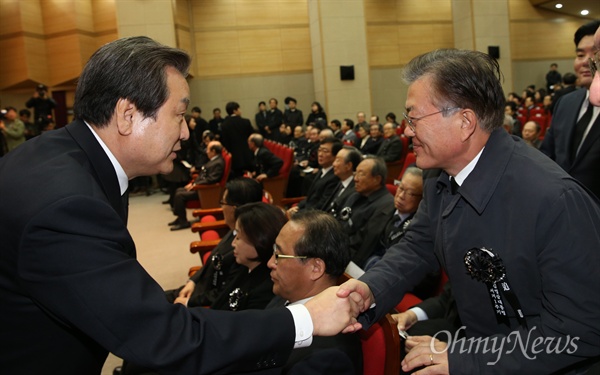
pixel 207 211
pixel 203 247
pixel 205 186
pixel 291 201
pixel 193 270
pixel 212 225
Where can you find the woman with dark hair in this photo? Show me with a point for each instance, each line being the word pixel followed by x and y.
pixel 316 113
pixel 248 284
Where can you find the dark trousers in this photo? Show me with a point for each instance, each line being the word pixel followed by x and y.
pixel 182 196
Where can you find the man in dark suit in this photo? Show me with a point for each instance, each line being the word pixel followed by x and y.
pixel 324 181
pixel 504 253
pixel 71 288
pixel 235 131
pixel 344 166
pixel 573 139
pixel 261 117
pixel 266 164
pixel 373 143
pixel 210 173
pixel 311 253
pixel 274 120
pixel 364 211
pixel 391 147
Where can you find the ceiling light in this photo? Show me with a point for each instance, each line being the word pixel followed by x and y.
pixel 558 6
pixel 585 12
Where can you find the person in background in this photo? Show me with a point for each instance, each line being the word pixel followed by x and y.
pixel 12 129
pixel 42 105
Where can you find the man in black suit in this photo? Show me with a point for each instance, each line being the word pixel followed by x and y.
pixel 235 131
pixel 261 117
pixel 364 211
pixel 71 288
pixel 391 147
pixel 266 164
pixel 344 166
pixel 504 253
pixel 324 180
pixel 210 173
pixel 274 120
pixel 573 139
pixel 311 253
pixel 373 143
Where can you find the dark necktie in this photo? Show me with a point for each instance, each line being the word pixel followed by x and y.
pixel 453 186
pixel 580 127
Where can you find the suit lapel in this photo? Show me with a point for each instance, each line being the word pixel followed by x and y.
pixel 589 140
pixel 103 170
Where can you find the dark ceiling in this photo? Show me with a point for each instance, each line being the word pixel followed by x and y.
pixel 571 7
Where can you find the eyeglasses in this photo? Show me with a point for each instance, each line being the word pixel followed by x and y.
pixel 411 120
pixel 278 256
pixel 409 194
pixel 594 62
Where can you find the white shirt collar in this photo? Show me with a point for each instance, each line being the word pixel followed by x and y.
pixel 301 302
pixel 347 181
pixel 466 171
pixel 325 170
pixel 121 176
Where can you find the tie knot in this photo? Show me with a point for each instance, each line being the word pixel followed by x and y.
pixel 453 186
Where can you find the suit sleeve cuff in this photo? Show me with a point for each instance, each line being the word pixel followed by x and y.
pixel 420 313
pixel 303 324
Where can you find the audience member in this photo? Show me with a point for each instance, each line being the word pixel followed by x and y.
pixel 336 126
pixel 31 129
pixel 406 201
pixel 366 209
pixel 594 67
pixel 552 77
pixel 316 113
pixel 347 129
pixel 266 164
pixel 361 121
pixel 310 255
pixel 261 118
pixel 12 128
pixel 199 126
pixel 531 133
pixel 299 144
pixel 499 266
pixel 569 85
pixel 363 136
pixel 210 173
pixel 511 109
pixel 391 117
pixel 78 292
pixel 391 146
pixel 42 105
pixel 324 180
pixel 344 166
pixel 214 125
pixel 235 131
pixel 373 143
pixel 274 120
pixel 573 139
pixel 292 115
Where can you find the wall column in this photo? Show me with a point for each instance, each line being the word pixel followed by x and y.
pixel 338 37
pixel 482 23
pixel 151 18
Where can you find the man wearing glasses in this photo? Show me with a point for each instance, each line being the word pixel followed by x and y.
pixel 309 255
pixel 573 139
pixel 517 236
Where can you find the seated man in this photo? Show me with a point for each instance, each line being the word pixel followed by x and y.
pixel 391 147
pixel 206 284
pixel 324 180
pixel 365 210
pixel 344 166
pixel 348 131
pixel 310 255
pixel 265 163
pixel 531 134
pixel 406 201
pixel 210 173
pixel 373 143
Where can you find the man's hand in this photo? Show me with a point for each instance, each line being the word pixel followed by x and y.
pixel 181 300
pixel 292 211
pixel 426 351
pixel 405 320
pixel 261 177
pixel 189 186
pixel 357 291
pixel 331 314
pixel 187 289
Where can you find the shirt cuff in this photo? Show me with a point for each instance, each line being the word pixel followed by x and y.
pixel 420 313
pixel 303 324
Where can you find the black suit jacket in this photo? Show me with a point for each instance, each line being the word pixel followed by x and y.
pixel 266 162
pixel 320 189
pixel 71 289
pixel 211 172
pixel 371 146
pixel 235 131
pixel 557 142
pixel 390 149
pixel 251 290
pixel 335 201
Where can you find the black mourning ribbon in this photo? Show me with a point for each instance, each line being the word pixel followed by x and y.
pixel 484 265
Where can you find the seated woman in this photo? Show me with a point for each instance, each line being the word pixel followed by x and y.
pixel 248 284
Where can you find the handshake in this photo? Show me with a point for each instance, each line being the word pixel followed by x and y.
pixel 336 309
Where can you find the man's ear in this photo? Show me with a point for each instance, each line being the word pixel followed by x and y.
pixel 469 124
pixel 318 268
pixel 125 112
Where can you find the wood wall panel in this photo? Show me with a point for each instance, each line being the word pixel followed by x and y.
pixel 36 54
pixel 209 14
pixel 59 16
pixel 14 65
pixel 10 17
pixel 31 17
pixel 104 15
